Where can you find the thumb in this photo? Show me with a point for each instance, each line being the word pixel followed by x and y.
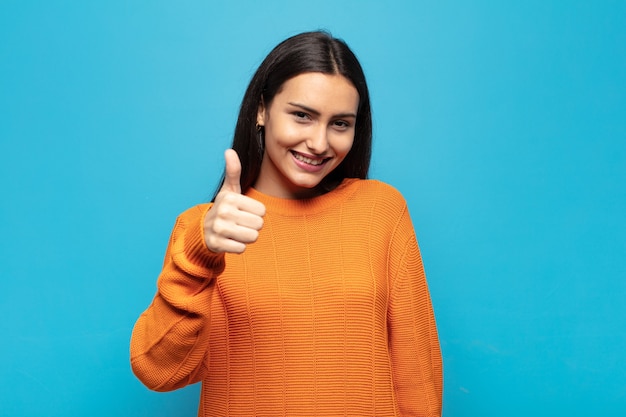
pixel 233 172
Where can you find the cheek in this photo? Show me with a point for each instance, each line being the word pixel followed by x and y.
pixel 344 145
pixel 280 134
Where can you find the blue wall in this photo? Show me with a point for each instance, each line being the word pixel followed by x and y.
pixel 503 123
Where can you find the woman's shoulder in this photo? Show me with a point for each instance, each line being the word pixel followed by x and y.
pixel 383 205
pixel 379 191
pixel 379 186
pixel 370 194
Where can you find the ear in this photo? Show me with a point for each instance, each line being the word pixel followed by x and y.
pixel 261 114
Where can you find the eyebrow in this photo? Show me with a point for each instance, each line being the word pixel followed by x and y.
pixel 317 113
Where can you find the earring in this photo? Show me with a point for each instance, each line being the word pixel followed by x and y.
pixel 260 137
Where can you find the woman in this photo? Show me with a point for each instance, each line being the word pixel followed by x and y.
pixel 300 289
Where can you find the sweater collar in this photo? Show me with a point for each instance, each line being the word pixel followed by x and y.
pixel 295 207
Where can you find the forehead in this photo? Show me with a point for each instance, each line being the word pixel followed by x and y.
pixel 323 92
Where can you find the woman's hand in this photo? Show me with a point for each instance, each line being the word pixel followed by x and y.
pixel 235 219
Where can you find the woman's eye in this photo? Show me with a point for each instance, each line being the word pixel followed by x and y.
pixel 300 115
pixel 341 124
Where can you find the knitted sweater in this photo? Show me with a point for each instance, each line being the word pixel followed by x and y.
pixel 326 314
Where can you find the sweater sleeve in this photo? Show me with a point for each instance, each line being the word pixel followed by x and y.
pixel 170 339
pixel 414 344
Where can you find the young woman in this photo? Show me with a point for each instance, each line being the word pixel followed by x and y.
pixel 299 290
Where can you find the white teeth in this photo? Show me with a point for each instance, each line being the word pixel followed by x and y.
pixel 308 160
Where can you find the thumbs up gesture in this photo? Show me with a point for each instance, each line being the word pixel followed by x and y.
pixel 235 219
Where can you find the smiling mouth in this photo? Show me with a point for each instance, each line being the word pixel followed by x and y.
pixel 310 161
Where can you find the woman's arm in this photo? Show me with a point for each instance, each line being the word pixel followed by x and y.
pixel 170 339
pixel 413 340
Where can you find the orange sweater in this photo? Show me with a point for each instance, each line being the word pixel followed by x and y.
pixel 327 314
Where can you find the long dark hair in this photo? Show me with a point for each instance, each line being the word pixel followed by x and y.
pixel 307 52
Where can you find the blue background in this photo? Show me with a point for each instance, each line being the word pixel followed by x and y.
pixel 503 124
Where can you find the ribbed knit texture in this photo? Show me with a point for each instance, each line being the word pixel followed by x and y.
pixel 327 314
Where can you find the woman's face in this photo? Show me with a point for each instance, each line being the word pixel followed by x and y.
pixel 309 130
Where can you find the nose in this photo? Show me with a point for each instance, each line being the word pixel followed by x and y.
pixel 317 142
